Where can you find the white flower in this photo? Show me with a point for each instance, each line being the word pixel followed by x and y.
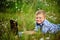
pixel 47 38
pixel 41 38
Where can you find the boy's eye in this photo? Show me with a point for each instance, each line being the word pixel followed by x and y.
pixel 38 17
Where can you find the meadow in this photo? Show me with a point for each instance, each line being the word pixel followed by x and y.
pixel 24 14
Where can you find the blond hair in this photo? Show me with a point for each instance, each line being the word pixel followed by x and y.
pixel 40 12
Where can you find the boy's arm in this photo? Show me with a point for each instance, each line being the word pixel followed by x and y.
pixel 26 32
pixel 34 31
pixel 29 32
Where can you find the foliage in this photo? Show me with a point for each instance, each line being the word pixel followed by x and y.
pixel 23 11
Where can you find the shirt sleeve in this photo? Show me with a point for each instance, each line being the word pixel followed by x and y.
pixel 36 28
pixel 20 33
pixel 53 28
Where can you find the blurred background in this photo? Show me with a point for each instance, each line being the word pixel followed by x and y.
pixel 23 12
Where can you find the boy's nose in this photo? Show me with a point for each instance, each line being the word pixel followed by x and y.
pixel 38 19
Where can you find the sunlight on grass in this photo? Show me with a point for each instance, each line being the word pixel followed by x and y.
pixel 25 18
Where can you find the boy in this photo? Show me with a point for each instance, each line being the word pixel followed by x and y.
pixel 43 24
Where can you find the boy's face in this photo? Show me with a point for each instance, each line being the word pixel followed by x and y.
pixel 40 18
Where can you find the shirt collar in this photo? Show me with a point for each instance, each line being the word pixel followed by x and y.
pixel 44 22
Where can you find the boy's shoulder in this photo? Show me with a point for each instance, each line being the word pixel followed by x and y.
pixel 46 22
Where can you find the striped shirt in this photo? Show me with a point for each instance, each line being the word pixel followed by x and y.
pixel 46 26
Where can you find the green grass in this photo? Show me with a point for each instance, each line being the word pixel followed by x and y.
pixel 26 21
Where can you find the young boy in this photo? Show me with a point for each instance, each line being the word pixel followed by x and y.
pixel 43 24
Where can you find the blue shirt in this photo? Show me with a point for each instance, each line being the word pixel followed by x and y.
pixel 46 26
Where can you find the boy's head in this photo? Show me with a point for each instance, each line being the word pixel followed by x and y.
pixel 40 16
